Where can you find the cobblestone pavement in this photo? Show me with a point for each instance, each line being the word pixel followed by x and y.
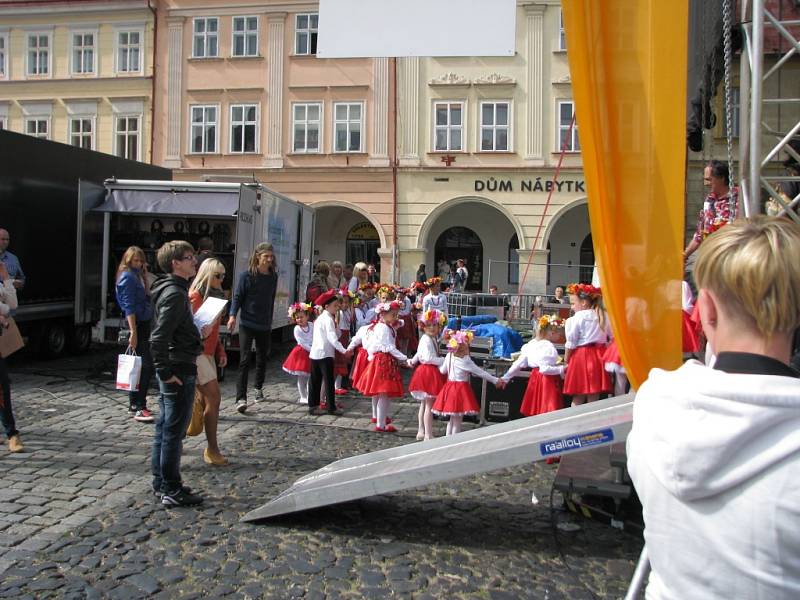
pixel 77 519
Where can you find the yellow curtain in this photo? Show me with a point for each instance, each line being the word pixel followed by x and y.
pixel 627 62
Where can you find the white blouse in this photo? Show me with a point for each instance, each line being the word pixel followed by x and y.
pixel 358 339
pixel 459 368
pixel 382 339
pixel 345 318
pixel 326 338
pixel 438 302
pixel 427 353
pixel 8 297
pixel 583 329
pixel 305 337
pixel 539 354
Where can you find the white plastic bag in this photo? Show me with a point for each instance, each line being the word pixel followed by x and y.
pixel 129 369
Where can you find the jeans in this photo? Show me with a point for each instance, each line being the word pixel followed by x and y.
pixel 175 404
pixel 138 400
pixel 6 414
pixel 321 375
pixel 246 338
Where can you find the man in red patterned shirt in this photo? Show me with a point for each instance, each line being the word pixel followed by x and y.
pixel 719 208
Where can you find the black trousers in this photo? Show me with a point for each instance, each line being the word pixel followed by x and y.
pixel 6 414
pixel 321 374
pixel 246 338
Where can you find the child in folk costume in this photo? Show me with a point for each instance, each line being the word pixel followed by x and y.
pixel 612 363
pixel 434 299
pixel 456 398
pixel 359 340
pixel 689 327
pixel 341 365
pixel 367 291
pixel 324 344
pixel 427 381
pixel 381 379
pixel 406 332
pixel 586 342
pixel 298 362
pixel 543 393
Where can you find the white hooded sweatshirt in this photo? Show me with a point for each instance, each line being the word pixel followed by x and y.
pixel 715 459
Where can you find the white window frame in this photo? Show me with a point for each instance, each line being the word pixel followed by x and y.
pixel 348 122
pixel 306 122
pixel 449 127
pixel 205 36
pixel 244 122
pixel 39 33
pixel 205 124
pixel 125 115
pixel 83 32
pixel 560 127
pixel 494 127
pixel 308 31
pixel 561 44
pixel 4 62
pixel 245 33
pixel 117 66
pixel 37 118
pixel 92 135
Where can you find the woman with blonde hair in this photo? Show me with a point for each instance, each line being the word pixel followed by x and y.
pixel 133 297
pixel 205 414
pixel 360 277
pixel 336 280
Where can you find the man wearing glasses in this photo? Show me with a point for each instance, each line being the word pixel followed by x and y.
pixel 175 344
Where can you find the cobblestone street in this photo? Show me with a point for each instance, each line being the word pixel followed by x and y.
pixel 77 519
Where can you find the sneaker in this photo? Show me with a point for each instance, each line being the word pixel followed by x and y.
pixel 241 406
pixel 143 416
pixel 259 395
pixel 181 497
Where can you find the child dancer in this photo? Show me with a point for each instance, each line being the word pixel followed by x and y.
pixel 405 332
pixel 690 330
pixel 586 341
pixel 381 378
pixel 456 398
pixel 427 381
pixel 434 298
pixel 543 393
pixel 298 363
pixel 325 343
pixel 341 366
pixel 368 294
pixel 612 362
pixel 360 340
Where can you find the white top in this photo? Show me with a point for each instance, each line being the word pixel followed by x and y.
pixel 325 342
pixel 437 302
pixel 687 297
pixel 583 329
pixel 8 297
pixel 715 458
pixel 427 353
pixel 459 368
pixel 361 335
pixel 382 339
pixel 345 318
pixel 305 337
pixel 536 354
pixel 406 310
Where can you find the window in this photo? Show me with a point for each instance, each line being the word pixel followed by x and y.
pixel 245 36
pixel 203 129
pixel 38 127
pixel 567 141
pixel 204 43
pixel 3 55
pixel 305 33
pixel 127 137
pixel 80 132
pixel 244 127
pixel 82 53
pixel 129 51
pixel 448 126
pixel 494 126
pixel 38 54
pixel 306 127
pixel 347 127
pixel 562 37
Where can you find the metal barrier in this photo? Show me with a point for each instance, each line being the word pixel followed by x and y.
pixel 509 307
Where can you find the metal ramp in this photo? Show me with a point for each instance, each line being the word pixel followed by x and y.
pixel 478 451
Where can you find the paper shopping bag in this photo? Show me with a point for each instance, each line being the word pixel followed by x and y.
pixel 129 369
pixel 10 339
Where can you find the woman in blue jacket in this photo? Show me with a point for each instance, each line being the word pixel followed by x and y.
pixel 133 297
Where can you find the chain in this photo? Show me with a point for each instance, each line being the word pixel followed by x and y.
pixel 727 26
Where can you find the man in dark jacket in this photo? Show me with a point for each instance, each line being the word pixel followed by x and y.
pixel 175 345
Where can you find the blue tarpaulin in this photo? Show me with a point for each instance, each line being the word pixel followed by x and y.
pixel 504 339
pixel 469 322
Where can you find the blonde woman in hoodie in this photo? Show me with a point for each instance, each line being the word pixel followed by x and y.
pixel 715 452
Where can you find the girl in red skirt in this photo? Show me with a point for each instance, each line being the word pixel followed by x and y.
pixel 298 363
pixel 427 381
pixel 612 362
pixel 341 363
pixel 456 398
pixel 543 393
pixel 381 378
pixel 586 341
pixel 690 329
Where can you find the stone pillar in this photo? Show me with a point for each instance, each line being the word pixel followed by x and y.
pixel 172 154
pixel 534 16
pixel 385 255
pixel 379 156
pixel 408 111
pixel 275 56
pixel 536 281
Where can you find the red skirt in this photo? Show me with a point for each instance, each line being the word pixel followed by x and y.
pixel 358 368
pixel 542 395
pixel 341 364
pixel 456 398
pixel 689 329
pixel 612 362
pixel 297 363
pixel 586 373
pixel 426 382
pixel 382 376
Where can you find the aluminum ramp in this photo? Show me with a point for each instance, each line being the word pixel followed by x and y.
pixel 468 453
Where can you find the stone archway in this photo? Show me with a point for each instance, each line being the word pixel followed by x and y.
pixel 565 239
pixel 344 231
pixel 461 243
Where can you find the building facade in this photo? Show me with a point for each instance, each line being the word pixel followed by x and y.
pixel 79 73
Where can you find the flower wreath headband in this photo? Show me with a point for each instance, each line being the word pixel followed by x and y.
pixel 550 321
pixel 433 281
pixel 584 291
pixel 385 307
pixel 455 338
pixel 384 289
pixel 354 299
pixel 432 317
pixel 300 307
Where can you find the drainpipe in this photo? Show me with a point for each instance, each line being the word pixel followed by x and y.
pixel 153 81
pixel 395 257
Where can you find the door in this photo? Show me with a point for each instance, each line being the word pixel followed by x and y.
pixel 89 253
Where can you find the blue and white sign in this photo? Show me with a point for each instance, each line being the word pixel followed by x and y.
pixel 576 442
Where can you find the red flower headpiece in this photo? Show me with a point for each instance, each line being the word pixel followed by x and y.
pixel 384 307
pixel 584 291
pixel 433 281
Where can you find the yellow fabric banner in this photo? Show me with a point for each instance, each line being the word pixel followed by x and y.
pixel 627 63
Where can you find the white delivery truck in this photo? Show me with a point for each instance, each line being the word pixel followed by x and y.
pixel 235 216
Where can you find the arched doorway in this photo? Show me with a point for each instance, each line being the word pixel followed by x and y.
pixel 569 242
pixel 462 242
pixel 363 242
pixel 345 234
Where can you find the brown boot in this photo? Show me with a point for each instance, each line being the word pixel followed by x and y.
pixel 14 444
